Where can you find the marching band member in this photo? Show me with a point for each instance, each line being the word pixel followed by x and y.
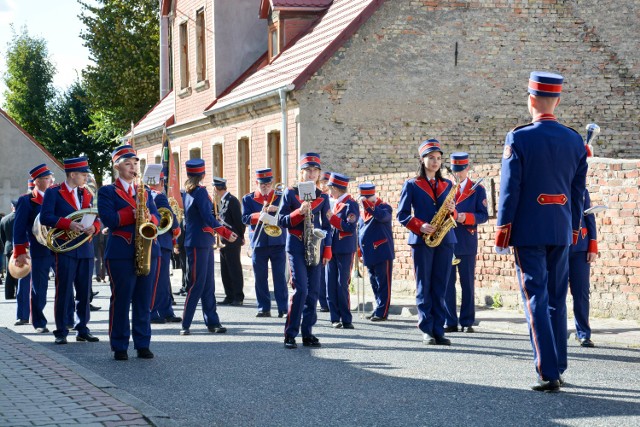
pixel 265 248
pixel 581 256
pixel 542 185
pixel 424 195
pixel 117 205
pixel 29 206
pixel 200 225
pixel 376 246
pixel 471 206
pixel 343 219
pixel 322 292
pixel 161 308
pixel 305 280
pixel 74 268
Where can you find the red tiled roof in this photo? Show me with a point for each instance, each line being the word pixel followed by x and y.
pixel 160 115
pixel 297 63
pixel 265 5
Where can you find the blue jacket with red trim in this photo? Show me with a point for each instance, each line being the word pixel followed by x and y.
pixel 117 213
pixel 417 196
pixel 344 221
pixel 28 207
pixel 542 182
pixel 588 236
pixel 57 204
pixel 166 240
pixel 291 219
pixel 375 233
pixel 474 205
pixel 200 224
pixel 252 205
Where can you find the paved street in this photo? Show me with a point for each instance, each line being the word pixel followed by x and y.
pixel 377 374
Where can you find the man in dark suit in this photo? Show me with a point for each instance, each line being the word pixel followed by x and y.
pixel 230 267
pixel 6 235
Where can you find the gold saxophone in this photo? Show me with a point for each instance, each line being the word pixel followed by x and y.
pixel 442 221
pixel 145 232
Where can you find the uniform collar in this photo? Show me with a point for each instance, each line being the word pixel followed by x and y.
pixel 544 117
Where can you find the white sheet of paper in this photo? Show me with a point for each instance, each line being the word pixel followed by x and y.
pixel 595 209
pixel 307 190
pixel 87 220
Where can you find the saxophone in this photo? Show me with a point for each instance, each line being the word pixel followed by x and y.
pixel 442 221
pixel 145 232
pixel 312 241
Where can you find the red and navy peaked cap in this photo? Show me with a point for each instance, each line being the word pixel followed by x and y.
pixel 122 152
pixel 459 161
pixel 338 180
pixel 40 171
pixel 77 164
pixel 195 167
pixel 31 185
pixel 546 84
pixel 310 160
pixel 325 176
pixel 367 189
pixel 219 182
pixel 429 146
pixel 264 176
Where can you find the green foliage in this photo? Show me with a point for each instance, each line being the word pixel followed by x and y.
pixel 497 300
pixel 123 39
pixel 29 80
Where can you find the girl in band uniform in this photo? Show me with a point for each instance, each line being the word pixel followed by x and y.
pixel 200 225
pixel 420 200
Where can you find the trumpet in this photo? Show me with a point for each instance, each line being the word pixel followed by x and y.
pixel 273 230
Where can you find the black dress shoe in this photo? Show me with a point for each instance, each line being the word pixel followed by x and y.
pixel 468 329
pixel 94 307
pixel 120 355
pixel 217 329
pixel 428 339
pixel 225 301
pixel 451 329
pixel 442 341
pixel 282 313
pixel 552 386
pixel 157 320
pixel 21 322
pixel 586 342
pixel 370 315
pixel 237 303
pixel 337 325
pixel 290 342
pixel 87 338
pixel 173 319
pixel 561 381
pixel 323 309
pixel 42 330
pixel 93 294
pixel 310 341
pixel 377 319
pixel 60 340
pixel 185 332
pixel 263 314
pixel 145 353
pixel 347 326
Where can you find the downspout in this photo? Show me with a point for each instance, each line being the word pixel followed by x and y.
pixel 283 134
pixel 164 54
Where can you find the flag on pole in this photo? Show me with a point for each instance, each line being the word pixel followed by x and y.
pixel 131 140
pixel 171 185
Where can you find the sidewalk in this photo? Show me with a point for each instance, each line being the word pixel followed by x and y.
pixel 41 387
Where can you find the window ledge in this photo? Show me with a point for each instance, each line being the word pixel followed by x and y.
pixel 183 93
pixel 202 85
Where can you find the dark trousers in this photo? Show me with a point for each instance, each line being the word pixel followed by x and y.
pixel 543 275
pixel 231 272
pixel 72 273
pixel 467 271
pixel 39 286
pixel 338 279
pixel 261 258
pixel 432 267
pixel 579 271
pixel 23 295
pixel 201 286
pixel 305 282
pixel 10 283
pixel 129 290
pixel 322 290
pixel 161 300
pixel 380 278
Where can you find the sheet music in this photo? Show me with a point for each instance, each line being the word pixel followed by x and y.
pixel 307 190
pixel 87 220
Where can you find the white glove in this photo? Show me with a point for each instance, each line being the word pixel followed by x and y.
pixel 268 219
pixel 502 251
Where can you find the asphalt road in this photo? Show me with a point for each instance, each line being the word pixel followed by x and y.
pixel 376 375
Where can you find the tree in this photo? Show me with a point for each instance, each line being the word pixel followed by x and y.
pixel 29 80
pixel 123 40
pixel 74 130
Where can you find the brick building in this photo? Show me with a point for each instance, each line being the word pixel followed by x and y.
pixel 256 82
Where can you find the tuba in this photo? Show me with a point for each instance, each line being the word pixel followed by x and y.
pixel 145 232
pixel 442 221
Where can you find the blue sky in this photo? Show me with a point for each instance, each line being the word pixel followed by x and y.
pixel 56 22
